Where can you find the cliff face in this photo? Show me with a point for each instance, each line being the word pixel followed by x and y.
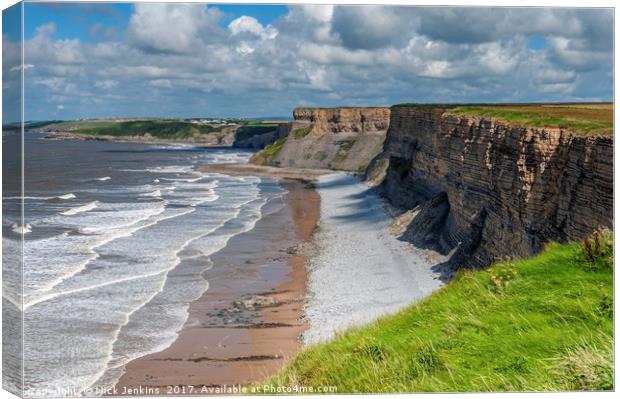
pixel 485 190
pixel 337 120
pixel 337 138
pixel 261 138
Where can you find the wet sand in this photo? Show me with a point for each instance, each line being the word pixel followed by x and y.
pixel 248 323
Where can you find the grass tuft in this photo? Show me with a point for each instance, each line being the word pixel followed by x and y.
pixel 343 150
pixel 302 132
pixel 583 119
pixel 269 153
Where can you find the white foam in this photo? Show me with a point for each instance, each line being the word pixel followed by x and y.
pixel 29 197
pixel 185 180
pixel 179 146
pixel 79 209
pixel 21 229
pixel 164 169
pixel 103 178
pixel 42 277
pixel 156 193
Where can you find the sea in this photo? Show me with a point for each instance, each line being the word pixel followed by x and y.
pixel 117 243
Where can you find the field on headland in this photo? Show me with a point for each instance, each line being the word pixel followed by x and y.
pixel 225 131
pixel 141 130
pixel 541 324
pixel 581 119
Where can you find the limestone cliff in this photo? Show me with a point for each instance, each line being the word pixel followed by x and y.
pixel 259 137
pixel 485 190
pixel 330 138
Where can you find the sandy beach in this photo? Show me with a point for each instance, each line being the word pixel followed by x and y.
pixel 249 322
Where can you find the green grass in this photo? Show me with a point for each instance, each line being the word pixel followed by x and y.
pixel 541 324
pixel 85 124
pixel 580 119
pixel 302 132
pixel 164 129
pixel 259 123
pixel 268 154
pixel 343 151
pixel 320 156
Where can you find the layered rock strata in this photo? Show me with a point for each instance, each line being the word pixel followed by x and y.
pixel 333 138
pixel 484 190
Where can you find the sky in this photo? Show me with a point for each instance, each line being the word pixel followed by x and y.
pixel 195 60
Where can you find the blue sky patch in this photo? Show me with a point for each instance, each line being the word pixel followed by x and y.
pixel 76 21
pixel 12 22
pixel 537 42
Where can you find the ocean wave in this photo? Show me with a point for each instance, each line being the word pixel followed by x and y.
pixel 156 194
pixel 21 229
pixel 173 147
pixel 163 169
pixel 30 197
pixel 79 209
pixel 103 178
pixel 185 180
pixel 46 291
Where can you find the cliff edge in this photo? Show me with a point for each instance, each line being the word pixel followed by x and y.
pixel 329 138
pixel 481 189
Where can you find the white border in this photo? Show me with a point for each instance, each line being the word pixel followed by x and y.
pixel 483 3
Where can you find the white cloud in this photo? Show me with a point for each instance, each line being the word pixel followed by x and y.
pixel 19 67
pixel 174 28
pixel 244 48
pixel 436 69
pixel 245 24
pixel 575 53
pixel 106 84
pixel 53 83
pixel 318 55
pixel 162 83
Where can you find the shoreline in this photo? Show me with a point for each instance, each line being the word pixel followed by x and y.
pixel 272 172
pixel 249 323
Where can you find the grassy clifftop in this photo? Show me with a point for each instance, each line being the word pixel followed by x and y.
pixel 544 323
pixel 164 129
pixel 580 118
pixel 584 119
